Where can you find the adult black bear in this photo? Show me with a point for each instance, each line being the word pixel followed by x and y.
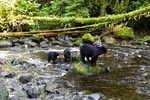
pixel 67 54
pixel 90 51
pixel 53 56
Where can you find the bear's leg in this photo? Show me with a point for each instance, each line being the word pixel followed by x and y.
pixel 49 58
pixel 93 60
pixel 83 59
pixel 88 58
pixel 53 61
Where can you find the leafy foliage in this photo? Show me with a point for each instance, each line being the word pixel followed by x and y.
pixel 4 13
pixel 11 20
pixel 26 7
pixel 136 4
pixel 69 8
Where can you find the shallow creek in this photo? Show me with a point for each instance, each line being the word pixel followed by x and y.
pixel 125 75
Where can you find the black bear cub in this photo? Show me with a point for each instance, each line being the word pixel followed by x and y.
pixel 90 51
pixel 67 54
pixel 52 56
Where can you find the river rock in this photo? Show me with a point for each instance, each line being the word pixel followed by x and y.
pixel 86 69
pixel 16 49
pixel 56 43
pixel 44 44
pixel 25 78
pixel 109 40
pixel 9 75
pixel 3 92
pixel 30 43
pixel 2 61
pixel 15 62
pixel 35 38
pixel 33 92
pixel 5 43
pixel 94 96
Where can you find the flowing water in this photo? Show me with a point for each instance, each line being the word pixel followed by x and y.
pixel 125 72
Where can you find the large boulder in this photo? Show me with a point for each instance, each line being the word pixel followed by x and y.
pixel 86 69
pixel 123 32
pixel 88 38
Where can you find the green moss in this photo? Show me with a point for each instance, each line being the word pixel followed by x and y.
pixel 124 33
pixel 96 37
pixel 88 38
pixel 138 41
pixel 35 38
pixel 147 39
pixel 90 70
pixel 56 43
pixel 77 42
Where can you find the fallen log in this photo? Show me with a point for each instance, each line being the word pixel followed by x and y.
pixel 109 18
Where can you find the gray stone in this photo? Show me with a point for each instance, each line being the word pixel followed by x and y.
pixel 44 44
pixel 25 79
pixel 5 43
pixel 3 92
pixel 95 96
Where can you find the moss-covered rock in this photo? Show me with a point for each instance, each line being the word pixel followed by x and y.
pixel 89 70
pixel 124 33
pixel 35 38
pixel 147 39
pixel 56 42
pixel 88 38
pixel 138 41
pixel 77 42
pixel 96 37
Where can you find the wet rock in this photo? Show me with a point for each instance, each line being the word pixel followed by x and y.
pixel 54 85
pixel 35 38
pixel 2 61
pixel 109 40
pixel 44 44
pixel 56 43
pixel 10 75
pixel 25 78
pixel 52 39
pixel 17 42
pixel 30 43
pixel 94 96
pixel 5 43
pixel 21 66
pixel 97 43
pixel 107 69
pixel 15 62
pixel 16 49
pixel 41 82
pixel 33 92
pixel 61 40
pixel 3 92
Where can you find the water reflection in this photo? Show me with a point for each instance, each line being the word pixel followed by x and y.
pixel 128 80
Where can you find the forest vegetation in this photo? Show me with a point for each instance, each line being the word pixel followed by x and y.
pixel 69 15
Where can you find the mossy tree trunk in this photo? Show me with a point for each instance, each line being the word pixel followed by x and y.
pixel 110 18
pixel 88 22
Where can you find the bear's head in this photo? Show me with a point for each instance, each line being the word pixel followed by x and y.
pixel 102 49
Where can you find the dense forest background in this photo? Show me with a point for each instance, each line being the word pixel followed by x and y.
pixel 12 12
